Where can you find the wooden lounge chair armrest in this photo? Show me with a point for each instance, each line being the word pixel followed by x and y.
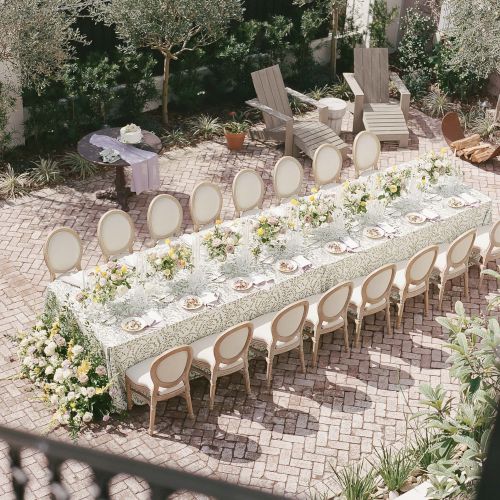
pixel 254 103
pixel 359 98
pixel 404 101
pixel 354 85
pixel 322 108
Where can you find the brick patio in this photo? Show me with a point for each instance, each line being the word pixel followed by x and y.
pixel 282 441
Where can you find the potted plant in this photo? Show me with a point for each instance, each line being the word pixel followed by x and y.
pixel 235 131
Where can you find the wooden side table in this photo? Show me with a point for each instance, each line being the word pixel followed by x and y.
pixel 121 192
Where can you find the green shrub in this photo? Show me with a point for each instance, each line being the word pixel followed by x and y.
pixel 395 467
pixel 12 184
pixel 79 166
pixel 381 18
pixel 205 126
pixel 437 103
pixel 356 484
pixel 6 103
pixel 176 138
pixel 45 172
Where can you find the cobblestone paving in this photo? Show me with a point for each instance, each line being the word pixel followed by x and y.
pixel 283 441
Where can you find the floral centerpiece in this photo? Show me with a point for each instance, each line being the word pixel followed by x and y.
pixel 221 242
pixel 268 231
pixel 170 259
pixel 355 196
pixel 391 182
pixel 73 378
pixel 107 283
pixel 314 210
pixel 434 165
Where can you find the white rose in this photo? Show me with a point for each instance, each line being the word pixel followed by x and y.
pixel 77 350
pixel 121 290
pixel 83 379
pixel 101 370
pixel 66 363
pixel 83 391
pixel 50 348
pixel 42 362
pixel 87 417
pixel 28 361
pixel 67 373
pixel 158 262
pixel 54 399
pixel 49 370
pixel 24 342
pixel 90 391
pixel 70 396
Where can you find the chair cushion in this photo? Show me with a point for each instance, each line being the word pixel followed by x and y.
pixel 139 374
pixel 313 317
pixel 203 350
pixel 262 332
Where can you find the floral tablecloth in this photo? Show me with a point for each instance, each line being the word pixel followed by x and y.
pixel 178 326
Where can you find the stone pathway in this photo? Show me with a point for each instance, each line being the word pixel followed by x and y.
pixel 283 441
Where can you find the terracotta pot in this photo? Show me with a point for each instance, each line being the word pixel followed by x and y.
pixel 235 141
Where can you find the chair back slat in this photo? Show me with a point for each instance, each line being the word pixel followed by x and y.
pixel 164 217
pixel 335 301
pixel 270 89
pixel 420 266
pixel 169 368
pixel 371 70
pixel 232 345
pixel 460 249
pixel 63 251
pixel 116 233
pixel 289 322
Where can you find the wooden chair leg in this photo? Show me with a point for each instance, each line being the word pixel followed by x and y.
pixel 388 318
pixel 189 403
pixel 466 283
pixel 315 341
pixel 359 324
pixel 442 287
pixel 152 415
pixel 481 275
pixel 301 355
pixel 246 376
pixel 128 389
pixel 269 374
pixel 213 385
pixel 426 300
pixel 346 337
pixel 401 308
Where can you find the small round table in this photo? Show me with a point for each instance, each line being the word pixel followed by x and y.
pixel 336 110
pixel 121 192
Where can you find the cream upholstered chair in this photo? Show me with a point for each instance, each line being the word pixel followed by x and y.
pixel 160 378
pixel 116 233
pixel 165 216
pixel 371 295
pixel 280 332
pixel 412 278
pixel 288 175
pixel 454 261
pixel 62 251
pixel 205 204
pixel 328 312
pixel 248 191
pixel 326 165
pixel 365 152
pixel 487 244
pixel 223 354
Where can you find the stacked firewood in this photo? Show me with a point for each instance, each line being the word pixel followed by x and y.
pixel 471 148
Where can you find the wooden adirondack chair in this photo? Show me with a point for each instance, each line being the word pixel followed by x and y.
pixel 272 100
pixel 370 85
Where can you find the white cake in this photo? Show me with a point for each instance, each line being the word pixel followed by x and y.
pixel 131 134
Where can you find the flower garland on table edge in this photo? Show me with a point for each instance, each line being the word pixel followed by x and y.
pixel 221 242
pixel 72 376
pixel 170 259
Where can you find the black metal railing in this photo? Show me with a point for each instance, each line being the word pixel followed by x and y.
pixel 162 481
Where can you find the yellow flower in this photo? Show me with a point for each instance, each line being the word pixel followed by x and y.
pixel 346 184
pixel 167 241
pixel 294 202
pixel 393 188
pixel 314 189
pixel 207 236
pixel 124 268
pixel 262 218
pixel 99 390
pixel 312 197
pixel 443 150
pixel 394 168
pixel 218 222
pixel 84 367
pixel 103 274
pixel 260 231
pixel 97 269
pixel 362 203
pixel 171 252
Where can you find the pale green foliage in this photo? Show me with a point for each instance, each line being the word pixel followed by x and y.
pixel 474 28
pixel 175 138
pixel 37 37
pixel 395 467
pixel 484 125
pixel 13 185
pixel 461 426
pixel 437 103
pixel 78 165
pixel 205 126
pixel 382 17
pixel 355 483
pixel 45 172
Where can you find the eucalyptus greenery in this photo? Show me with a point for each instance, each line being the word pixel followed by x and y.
pixel 170 27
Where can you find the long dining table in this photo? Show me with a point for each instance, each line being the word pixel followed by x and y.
pixel 272 290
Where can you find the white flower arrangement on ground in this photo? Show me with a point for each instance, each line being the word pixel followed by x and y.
pixel 73 379
pixel 314 210
pixel 221 242
pixel 433 165
pixel 107 283
pixel 170 259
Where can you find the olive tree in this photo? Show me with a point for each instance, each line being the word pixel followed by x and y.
pixel 171 27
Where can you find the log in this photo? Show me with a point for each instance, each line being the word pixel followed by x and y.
pixel 473 140
pixel 472 149
pixel 482 155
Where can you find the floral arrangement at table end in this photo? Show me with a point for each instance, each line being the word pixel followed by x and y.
pixel 267 232
pixel 171 258
pixel 72 376
pixel 107 283
pixel 221 242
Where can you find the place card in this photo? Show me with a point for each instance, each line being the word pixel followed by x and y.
pixel 303 263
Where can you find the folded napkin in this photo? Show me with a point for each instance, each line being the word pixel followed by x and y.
pixel 349 242
pixel 469 199
pixel 260 279
pixel 152 318
pixel 76 279
pixel 209 298
pixel 302 262
pixel 430 214
pixel 387 228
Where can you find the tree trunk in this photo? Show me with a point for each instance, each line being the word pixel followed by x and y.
pixel 164 93
pixel 333 44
